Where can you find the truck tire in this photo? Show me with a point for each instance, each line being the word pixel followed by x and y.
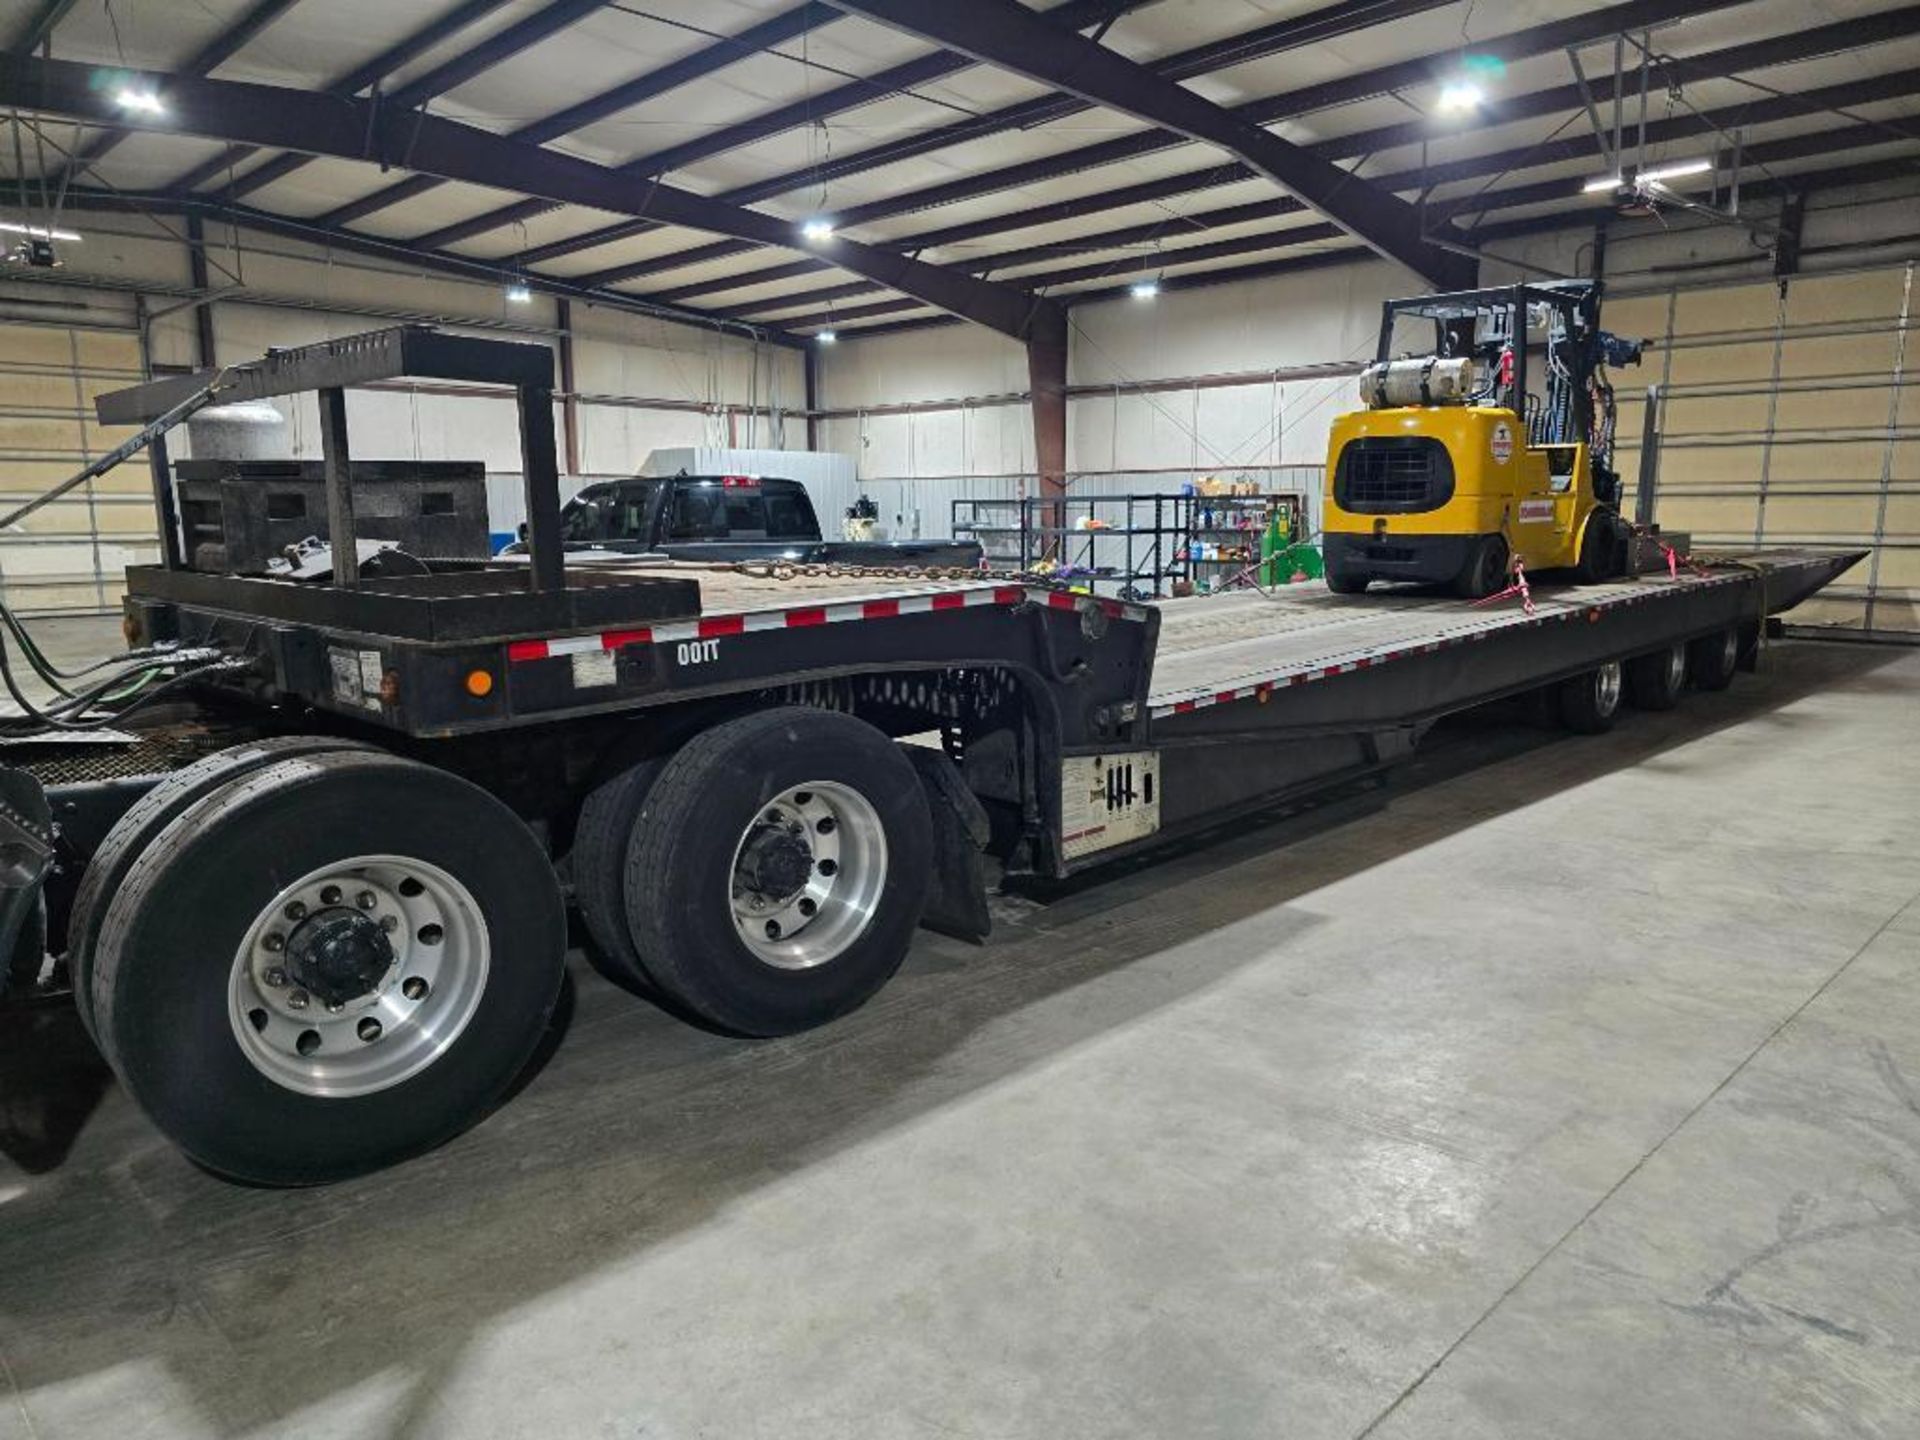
pixel 1590 702
pixel 145 819
pixel 778 869
pixel 1654 682
pixel 1347 582
pixel 600 843
pixel 1712 659
pixel 1485 570
pixel 328 964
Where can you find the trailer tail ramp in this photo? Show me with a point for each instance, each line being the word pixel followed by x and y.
pixel 1256 695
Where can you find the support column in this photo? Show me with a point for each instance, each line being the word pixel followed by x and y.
pixel 1047 385
pixel 810 381
pixel 203 285
pixel 570 402
pixel 337 465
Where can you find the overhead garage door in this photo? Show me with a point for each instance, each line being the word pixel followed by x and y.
pixel 1789 416
pixel 68 558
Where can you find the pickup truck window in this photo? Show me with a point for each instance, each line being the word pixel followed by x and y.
pixel 698 514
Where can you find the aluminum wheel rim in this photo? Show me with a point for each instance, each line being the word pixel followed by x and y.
pixel 405 1020
pixel 819 919
pixel 1606 687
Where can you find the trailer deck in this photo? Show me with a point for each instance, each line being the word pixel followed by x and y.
pixel 1216 649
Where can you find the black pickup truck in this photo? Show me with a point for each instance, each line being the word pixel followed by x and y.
pixel 730 517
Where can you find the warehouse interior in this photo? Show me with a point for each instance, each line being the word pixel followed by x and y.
pixel 1552 1085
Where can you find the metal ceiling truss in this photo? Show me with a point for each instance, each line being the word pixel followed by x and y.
pixel 352 83
pixel 1719 64
pixel 1267 40
pixel 1816 145
pixel 1074 14
pixel 1006 34
pixel 210 57
pixel 1596 24
pixel 200 208
pixel 323 125
pixel 702 62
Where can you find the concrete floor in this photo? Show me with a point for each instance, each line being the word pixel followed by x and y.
pixel 1569 1088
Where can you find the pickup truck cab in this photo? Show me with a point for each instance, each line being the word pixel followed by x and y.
pixel 730 517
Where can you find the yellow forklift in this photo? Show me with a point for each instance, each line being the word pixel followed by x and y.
pixel 1487 438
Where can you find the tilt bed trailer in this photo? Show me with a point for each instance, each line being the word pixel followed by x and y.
pixel 313 907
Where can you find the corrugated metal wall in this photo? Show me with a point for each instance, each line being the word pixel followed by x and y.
pixel 1789 416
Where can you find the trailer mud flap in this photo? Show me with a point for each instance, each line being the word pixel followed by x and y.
pixel 957 898
pixel 26 854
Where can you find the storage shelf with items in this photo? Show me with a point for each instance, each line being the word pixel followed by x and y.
pixel 1241 537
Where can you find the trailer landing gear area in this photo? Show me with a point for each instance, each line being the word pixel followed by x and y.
pixel 315 916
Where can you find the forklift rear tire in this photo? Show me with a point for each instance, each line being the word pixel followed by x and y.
pixel 1602 550
pixel 1712 659
pixel 600 844
pixel 1654 682
pixel 1485 572
pixel 778 869
pixel 1590 702
pixel 1347 582
pixel 147 818
pixel 328 965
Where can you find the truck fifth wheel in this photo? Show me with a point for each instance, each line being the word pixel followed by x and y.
pixel 312 908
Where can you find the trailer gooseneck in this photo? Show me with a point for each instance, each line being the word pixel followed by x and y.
pixel 316 917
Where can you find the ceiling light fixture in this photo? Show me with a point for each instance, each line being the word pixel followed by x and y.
pixel 816 230
pixel 1144 289
pixel 143 101
pixel 826 337
pixel 39 232
pixel 519 293
pixel 1678 170
pixel 1460 97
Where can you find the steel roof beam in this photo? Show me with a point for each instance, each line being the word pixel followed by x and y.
pixel 1732 60
pixel 247 217
pixel 353 82
pixel 448 75
pixel 210 57
pixel 702 62
pixel 324 125
pixel 1386 79
pixel 1821 144
pixel 1273 39
pixel 39 29
pixel 812 109
pixel 1007 35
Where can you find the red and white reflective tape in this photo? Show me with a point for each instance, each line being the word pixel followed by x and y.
pixel 713 627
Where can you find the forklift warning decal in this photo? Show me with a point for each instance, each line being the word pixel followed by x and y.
pixel 1536 512
pixel 1502 444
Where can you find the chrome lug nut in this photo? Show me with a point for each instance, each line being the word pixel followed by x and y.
pixel 296 910
pixel 389 922
pixel 297 1000
pixel 366 900
pixel 274 943
pixel 330 895
pixel 276 977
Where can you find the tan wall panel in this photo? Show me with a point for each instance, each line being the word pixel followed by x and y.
pixel 1749 363
pixel 1821 515
pixel 1861 408
pixel 42 391
pixel 1826 611
pixel 1713 515
pixel 1869 295
pixel 1728 465
pixel 53 437
pixel 1832 460
pixel 1706 414
pixel 1730 307
pixel 1837 355
pixel 37 345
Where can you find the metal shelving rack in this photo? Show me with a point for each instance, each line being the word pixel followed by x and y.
pixel 1139 543
pixel 1136 543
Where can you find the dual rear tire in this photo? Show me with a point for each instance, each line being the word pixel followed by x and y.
pixel 323 963
pixel 771 872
